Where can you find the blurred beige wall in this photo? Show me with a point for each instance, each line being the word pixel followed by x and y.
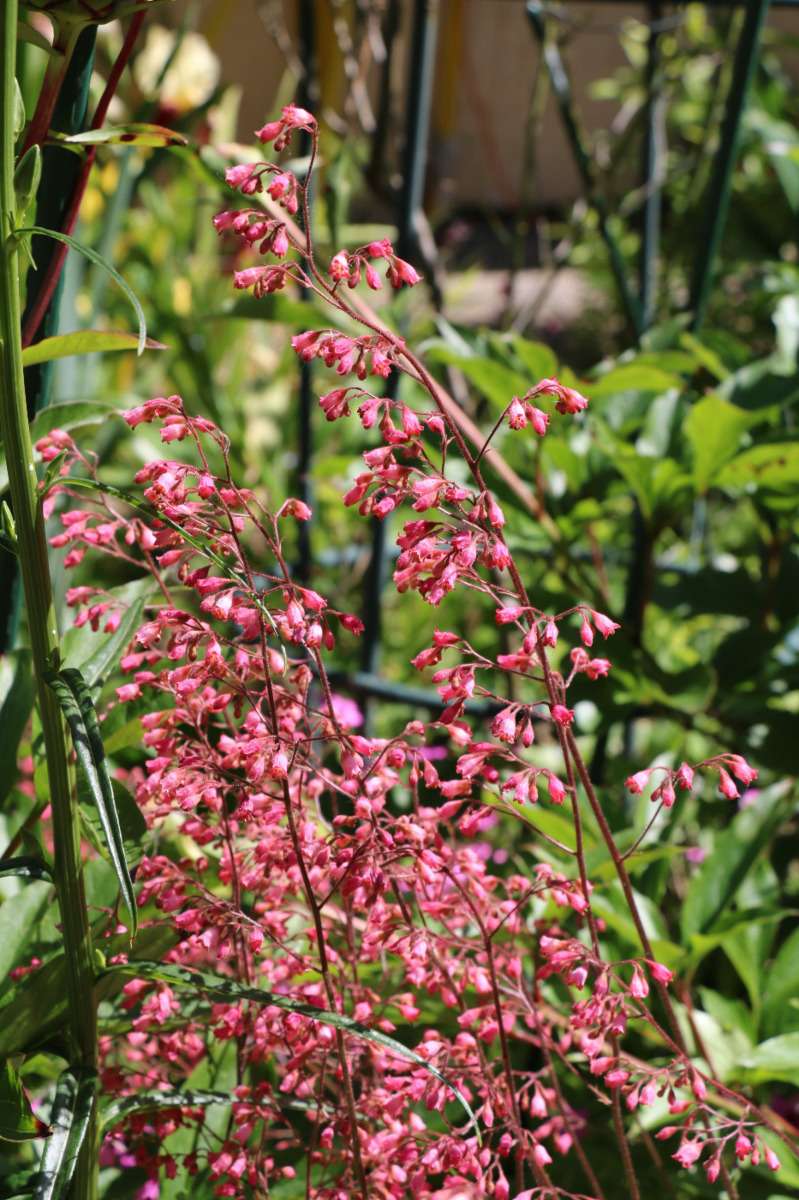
pixel 485 74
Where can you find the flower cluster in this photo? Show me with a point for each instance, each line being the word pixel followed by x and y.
pixel 354 876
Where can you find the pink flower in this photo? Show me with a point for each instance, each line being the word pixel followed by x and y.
pixel 339 266
pixel 604 624
pixel 562 715
pixel 658 971
pixel 726 785
pixel 688 1153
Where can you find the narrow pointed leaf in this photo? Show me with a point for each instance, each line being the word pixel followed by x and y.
pixel 134 134
pixel 70 1118
pixel 17 1122
pixel 25 867
pixel 83 341
pixel 78 708
pixel 99 261
pixel 128 1106
pixel 231 991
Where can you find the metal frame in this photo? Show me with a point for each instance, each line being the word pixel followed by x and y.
pixel 638 302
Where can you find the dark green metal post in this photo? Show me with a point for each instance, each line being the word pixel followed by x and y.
pixel 653 164
pixel 561 88
pixel 718 198
pixel 420 97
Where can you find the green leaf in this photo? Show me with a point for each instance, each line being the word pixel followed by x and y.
pixel 775 1059
pixel 229 990
pixel 19 102
pixel 131 822
pixel 17 1122
pixel 134 134
pixel 83 341
pixel 781 987
pixel 34 1010
pixel 70 1119
pixel 632 377
pixel 77 706
pixel 15 711
pixel 736 851
pixel 19 916
pixel 497 382
pixel 96 654
pixel 99 261
pixel 27 175
pixel 537 358
pixel 713 428
pixel 26 33
pixel 119 1110
pixel 772 466
pixel 25 867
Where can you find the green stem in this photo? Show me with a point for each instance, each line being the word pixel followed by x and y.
pixel 42 627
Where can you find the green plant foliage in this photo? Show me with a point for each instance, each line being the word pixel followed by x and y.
pixel 73 695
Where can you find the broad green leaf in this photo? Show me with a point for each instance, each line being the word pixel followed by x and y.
pixel 134 134
pixel 735 923
pixel 128 734
pixel 723 1047
pixel 17 1122
pixel 632 377
pixel 736 851
pixel 714 428
pixel 96 654
pixel 119 1110
pixel 229 990
pixel 732 1015
pixel 25 867
pixel 749 947
pixel 497 382
pixel 19 916
pixel 773 466
pixel 781 986
pixel 70 1119
pixel 84 341
pixel 77 706
pixel 99 261
pixel 15 711
pixel 34 1010
pixel 537 358
pixel 775 1059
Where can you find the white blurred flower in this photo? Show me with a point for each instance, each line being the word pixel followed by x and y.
pixel 192 75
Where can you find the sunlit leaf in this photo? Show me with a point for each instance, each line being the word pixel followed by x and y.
pixel 84 341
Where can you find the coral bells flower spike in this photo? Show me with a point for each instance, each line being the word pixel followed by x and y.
pixel 292 117
pixel 567 400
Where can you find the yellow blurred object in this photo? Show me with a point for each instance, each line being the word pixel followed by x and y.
pixel 192 75
pixel 92 204
pixel 109 177
pixel 181 296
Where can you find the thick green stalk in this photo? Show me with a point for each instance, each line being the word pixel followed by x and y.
pixel 43 631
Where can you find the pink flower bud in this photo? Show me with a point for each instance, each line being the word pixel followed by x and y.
pixel 562 715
